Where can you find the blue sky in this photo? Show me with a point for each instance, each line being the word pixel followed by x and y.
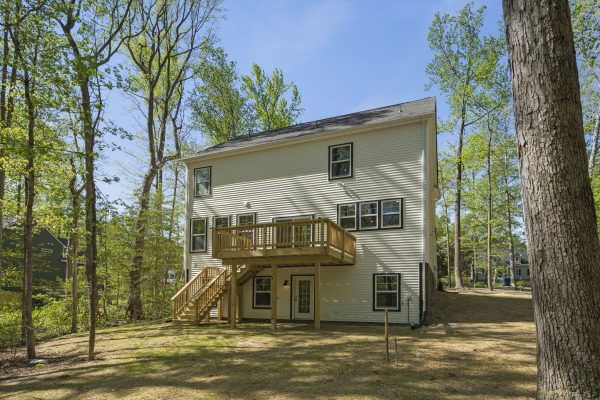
pixel 344 56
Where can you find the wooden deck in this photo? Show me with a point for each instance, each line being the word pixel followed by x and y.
pixel 289 243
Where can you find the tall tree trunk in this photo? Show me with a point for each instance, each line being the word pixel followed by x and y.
pixel 559 213
pixel 91 226
pixel 509 226
pixel 3 87
pixel 134 303
pixel 595 143
pixel 490 281
pixel 448 247
pixel 28 223
pixel 72 259
pixel 457 226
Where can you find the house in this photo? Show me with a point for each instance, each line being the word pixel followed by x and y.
pixel 331 220
pixel 49 263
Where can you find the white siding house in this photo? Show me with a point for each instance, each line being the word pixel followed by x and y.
pixel 372 172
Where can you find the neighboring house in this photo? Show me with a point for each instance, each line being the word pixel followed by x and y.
pixel 328 220
pixel 49 263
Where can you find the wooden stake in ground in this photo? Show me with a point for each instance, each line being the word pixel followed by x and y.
pixel 559 214
pixel 396 349
pixel 386 335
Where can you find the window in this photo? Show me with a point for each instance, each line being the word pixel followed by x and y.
pixel 347 216
pixel 198 234
pixel 386 292
pixel 202 178
pixel 391 213
pixel 340 161
pixel 221 222
pixel 518 271
pixel 262 292
pixel 246 219
pixel 369 212
pixel 47 251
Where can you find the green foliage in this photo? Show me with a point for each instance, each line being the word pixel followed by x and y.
pixel 272 103
pixel 221 110
pixel 226 106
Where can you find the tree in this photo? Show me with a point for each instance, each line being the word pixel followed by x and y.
pixel 272 103
pixel 78 20
pixel 171 37
pixel 558 206
pixel 462 62
pixel 220 109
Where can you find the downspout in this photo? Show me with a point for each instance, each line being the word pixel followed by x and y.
pixel 423 289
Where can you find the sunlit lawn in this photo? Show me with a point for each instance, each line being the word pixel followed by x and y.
pixel 483 346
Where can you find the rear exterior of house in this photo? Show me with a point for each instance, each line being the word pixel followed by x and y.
pixel 330 220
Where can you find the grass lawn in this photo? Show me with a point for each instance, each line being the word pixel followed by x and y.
pixel 482 346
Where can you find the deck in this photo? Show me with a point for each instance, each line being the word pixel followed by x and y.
pixel 287 243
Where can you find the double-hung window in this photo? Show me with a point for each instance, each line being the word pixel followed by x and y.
pixel 221 222
pixel 246 219
pixel 202 180
pixel 262 292
pixel 347 216
pixel 369 215
pixel 198 229
pixel 386 292
pixel 391 213
pixel 340 161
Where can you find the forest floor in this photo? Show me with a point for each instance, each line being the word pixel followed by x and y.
pixel 481 346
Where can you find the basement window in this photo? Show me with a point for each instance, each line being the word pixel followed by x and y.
pixel 262 292
pixel 340 161
pixel 198 237
pixel 386 292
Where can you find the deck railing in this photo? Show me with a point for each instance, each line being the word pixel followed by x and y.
pixel 299 234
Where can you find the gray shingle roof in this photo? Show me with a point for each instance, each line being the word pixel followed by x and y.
pixel 381 115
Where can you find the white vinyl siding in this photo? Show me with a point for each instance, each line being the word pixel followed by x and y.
pixel 293 179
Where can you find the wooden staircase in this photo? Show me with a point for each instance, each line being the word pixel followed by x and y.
pixel 194 302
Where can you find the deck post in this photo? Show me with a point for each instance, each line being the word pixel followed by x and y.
pixel 318 295
pixel 274 296
pixel 233 306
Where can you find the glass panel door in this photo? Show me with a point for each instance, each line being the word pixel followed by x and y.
pixel 303 297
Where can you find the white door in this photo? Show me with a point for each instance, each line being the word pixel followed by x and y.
pixel 303 299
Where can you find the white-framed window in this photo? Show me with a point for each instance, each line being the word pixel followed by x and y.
pixel 198 236
pixel 47 251
pixel 347 216
pixel 340 161
pixel 202 181
pixel 262 292
pixel 246 219
pixel 221 222
pixel 386 292
pixel 391 213
pixel 368 215
pixel 518 271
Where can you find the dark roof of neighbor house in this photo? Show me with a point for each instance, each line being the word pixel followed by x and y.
pixel 394 112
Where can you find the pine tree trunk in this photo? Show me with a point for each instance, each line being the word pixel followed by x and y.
pixel 448 248
pixel 509 225
pixel 559 214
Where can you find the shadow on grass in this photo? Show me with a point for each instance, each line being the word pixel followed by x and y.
pixel 252 362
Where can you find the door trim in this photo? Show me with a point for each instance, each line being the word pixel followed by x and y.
pixel 292 296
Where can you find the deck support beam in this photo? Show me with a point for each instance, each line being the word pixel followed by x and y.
pixel 274 296
pixel 233 298
pixel 318 295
